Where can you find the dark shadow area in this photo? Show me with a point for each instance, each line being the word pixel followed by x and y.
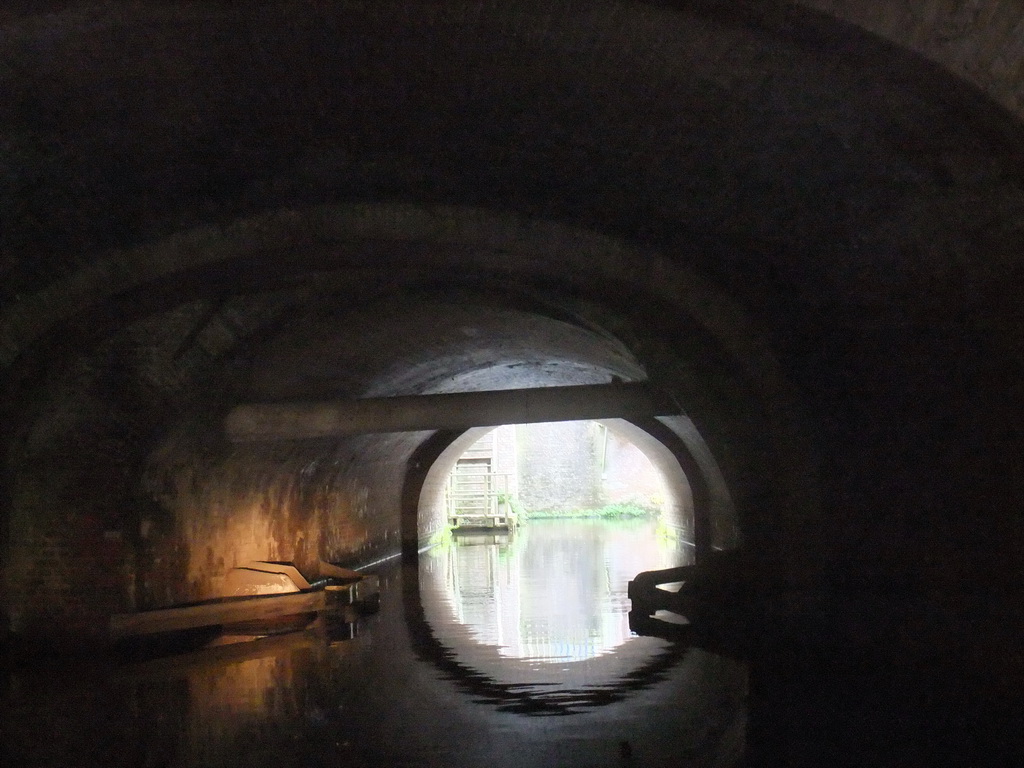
pixel 840 675
pixel 801 221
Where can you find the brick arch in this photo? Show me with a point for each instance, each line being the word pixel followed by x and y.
pixel 980 42
pixel 466 239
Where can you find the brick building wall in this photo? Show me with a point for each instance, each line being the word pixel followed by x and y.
pixel 559 465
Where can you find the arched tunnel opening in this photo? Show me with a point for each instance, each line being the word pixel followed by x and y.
pixel 536 530
pixel 208 496
pixel 266 272
pixel 298 423
pixel 562 469
pixel 515 473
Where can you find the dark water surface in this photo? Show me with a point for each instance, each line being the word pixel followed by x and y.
pixel 515 653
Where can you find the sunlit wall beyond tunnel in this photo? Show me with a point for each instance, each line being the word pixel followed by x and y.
pixel 550 470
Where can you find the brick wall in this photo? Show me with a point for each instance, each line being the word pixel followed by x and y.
pixel 629 476
pixel 559 465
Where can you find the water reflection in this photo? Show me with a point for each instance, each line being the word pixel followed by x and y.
pixel 555 591
pixel 415 688
pixel 537 623
pixel 394 694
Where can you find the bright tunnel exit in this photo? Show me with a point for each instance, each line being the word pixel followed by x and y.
pixel 545 525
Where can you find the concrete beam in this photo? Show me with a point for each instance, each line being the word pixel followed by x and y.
pixel 460 410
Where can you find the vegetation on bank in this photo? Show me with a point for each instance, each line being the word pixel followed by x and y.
pixel 621 511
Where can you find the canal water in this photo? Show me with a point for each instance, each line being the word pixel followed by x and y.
pixel 553 593
pixel 492 651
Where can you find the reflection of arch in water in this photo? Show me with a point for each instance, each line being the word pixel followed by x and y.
pixel 536 699
pixel 701 508
pixel 691 474
pixel 552 593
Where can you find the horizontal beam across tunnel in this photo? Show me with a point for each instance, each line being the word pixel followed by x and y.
pixel 458 410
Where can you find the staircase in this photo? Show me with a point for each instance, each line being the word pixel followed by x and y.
pixel 473 490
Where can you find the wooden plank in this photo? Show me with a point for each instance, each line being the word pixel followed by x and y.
pixel 285 569
pixel 214 613
pixel 332 571
pixel 360 591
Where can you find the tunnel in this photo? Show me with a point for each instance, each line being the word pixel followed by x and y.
pixel 798 226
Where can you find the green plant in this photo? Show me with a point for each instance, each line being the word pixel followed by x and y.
pixel 619 511
pixel 514 505
pixel 441 537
